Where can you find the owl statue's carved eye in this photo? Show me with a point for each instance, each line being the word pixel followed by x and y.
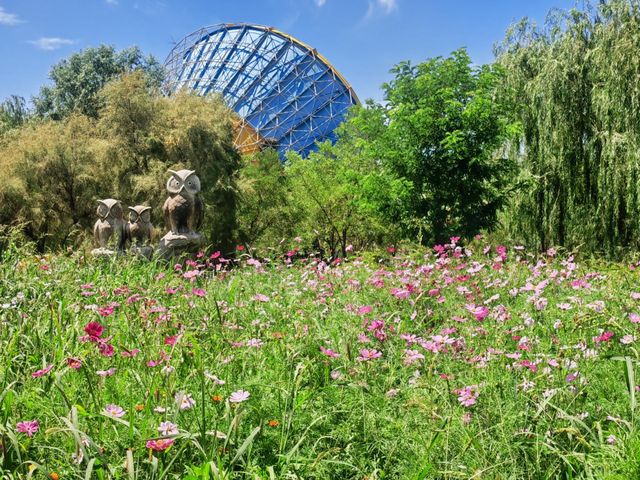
pixel 193 184
pixel 146 216
pixel 116 211
pixel 133 216
pixel 102 211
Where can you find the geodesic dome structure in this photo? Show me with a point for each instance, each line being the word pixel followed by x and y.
pixel 285 93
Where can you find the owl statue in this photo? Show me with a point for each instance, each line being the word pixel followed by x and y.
pixel 110 224
pixel 139 231
pixel 183 210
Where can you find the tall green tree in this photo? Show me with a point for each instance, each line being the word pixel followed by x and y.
pixel 442 137
pixel 13 113
pixel 78 79
pixel 575 89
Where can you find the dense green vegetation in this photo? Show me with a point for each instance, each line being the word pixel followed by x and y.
pixel 487 362
pixel 540 147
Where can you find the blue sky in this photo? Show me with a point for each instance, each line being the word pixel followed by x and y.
pixel 363 39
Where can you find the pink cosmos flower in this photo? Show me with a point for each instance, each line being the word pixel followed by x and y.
pixel 255 343
pixel 468 396
pixel 627 339
pixel 634 317
pixel 571 377
pixel 106 349
pixel 74 363
pixel 366 355
pixel 198 292
pixel 364 310
pixel 184 401
pixel 42 372
pixel 239 396
pixel 105 311
pixel 478 311
pixel 160 444
pixel 167 429
pixel 400 293
pixel 131 353
pixel 412 356
pixel 28 427
pixel 114 411
pixel 106 373
pixel 329 353
pixel 261 298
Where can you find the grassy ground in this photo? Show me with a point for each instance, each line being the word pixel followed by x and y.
pixel 487 363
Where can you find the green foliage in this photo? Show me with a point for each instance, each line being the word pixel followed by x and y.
pixel 58 169
pixel 444 131
pixel 78 79
pixel 555 400
pixel 13 113
pixel 575 90
pixel 268 211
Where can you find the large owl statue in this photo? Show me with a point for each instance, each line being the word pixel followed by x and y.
pixel 183 210
pixel 110 225
pixel 139 230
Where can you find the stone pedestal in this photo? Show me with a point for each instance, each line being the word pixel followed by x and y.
pixel 103 252
pixel 175 244
pixel 145 251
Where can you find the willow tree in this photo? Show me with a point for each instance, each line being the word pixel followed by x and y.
pixel 575 88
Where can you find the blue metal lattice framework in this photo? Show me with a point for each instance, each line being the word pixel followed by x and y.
pixel 285 93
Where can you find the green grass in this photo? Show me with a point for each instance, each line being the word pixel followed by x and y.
pixel 310 415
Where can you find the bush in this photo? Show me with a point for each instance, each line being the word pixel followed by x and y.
pixel 58 169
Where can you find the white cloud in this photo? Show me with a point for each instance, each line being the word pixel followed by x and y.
pixel 378 6
pixel 320 3
pixel 388 5
pixel 51 43
pixel 7 18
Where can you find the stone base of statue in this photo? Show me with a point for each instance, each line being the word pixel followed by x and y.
pixel 175 244
pixel 145 251
pixel 103 252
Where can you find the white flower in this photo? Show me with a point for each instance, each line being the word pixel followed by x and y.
pixel 114 411
pixel 167 428
pixel 239 396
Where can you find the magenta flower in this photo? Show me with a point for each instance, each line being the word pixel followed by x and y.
pixel 478 311
pixel 198 292
pixel 366 355
pixel 106 349
pixel 42 372
pixel 94 330
pixel 160 444
pixel 239 396
pixel 28 427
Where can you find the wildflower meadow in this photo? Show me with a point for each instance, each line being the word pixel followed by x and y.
pixel 458 361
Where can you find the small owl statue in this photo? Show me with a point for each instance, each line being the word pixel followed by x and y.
pixel 139 230
pixel 110 224
pixel 183 210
